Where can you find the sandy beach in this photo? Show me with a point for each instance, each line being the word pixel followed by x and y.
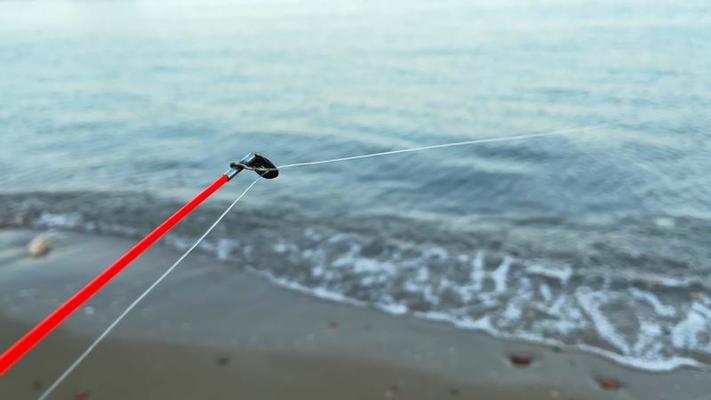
pixel 218 332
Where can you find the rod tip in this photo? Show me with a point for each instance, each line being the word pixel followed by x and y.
pixel 257 163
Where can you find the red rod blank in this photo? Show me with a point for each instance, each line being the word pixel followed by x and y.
pixel 51 322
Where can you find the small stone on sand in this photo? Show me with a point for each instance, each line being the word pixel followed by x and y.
pixel 82 396
pixel 520 360
pixel 39 246
pixel 609 384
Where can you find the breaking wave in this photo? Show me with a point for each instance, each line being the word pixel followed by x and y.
pixel 635 293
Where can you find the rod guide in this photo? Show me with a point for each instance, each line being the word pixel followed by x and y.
pixel 253 162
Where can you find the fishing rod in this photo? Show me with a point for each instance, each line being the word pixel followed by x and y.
pixel 265 169
pixel 252 161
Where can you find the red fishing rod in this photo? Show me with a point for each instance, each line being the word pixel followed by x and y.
pixel 254 162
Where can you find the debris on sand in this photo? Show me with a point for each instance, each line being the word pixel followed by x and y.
pixel 520 360
pixel 609 384
pixel 39 246
pixel 82 396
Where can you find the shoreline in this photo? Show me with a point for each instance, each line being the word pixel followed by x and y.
pixel 208 312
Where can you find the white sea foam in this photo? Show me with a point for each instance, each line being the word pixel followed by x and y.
pixel 477 272
pixel 562 273
pixel 533 301
pixel 500 275
pixel 643 353
pixel 395 309
pixel 590 302
pixel 54 220
pixel 651 299
pixel 693 332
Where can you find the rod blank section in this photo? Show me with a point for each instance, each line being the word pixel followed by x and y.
pixel 25 344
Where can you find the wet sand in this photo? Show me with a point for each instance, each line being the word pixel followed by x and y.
pixel 142 370
pixel 214 331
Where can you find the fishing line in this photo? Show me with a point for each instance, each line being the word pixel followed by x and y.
pixel 446 145
pixel 267 170
pixel 143 295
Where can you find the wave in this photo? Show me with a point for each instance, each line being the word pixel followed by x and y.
pixel 633 293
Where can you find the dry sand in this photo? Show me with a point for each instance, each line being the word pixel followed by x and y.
pixel 213 331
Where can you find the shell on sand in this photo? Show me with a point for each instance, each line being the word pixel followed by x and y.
pixel 39 246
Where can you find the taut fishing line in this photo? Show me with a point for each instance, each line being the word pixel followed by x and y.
pixel 143 295
pixel 264 170
pixel 446 145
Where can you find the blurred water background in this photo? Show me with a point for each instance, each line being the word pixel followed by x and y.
pixel 112 112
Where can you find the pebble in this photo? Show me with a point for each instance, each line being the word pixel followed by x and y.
pixel 520 360
pixel 609 384
pixel 82 396
pixel 39 246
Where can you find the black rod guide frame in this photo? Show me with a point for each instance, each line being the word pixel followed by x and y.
pixel 253 162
